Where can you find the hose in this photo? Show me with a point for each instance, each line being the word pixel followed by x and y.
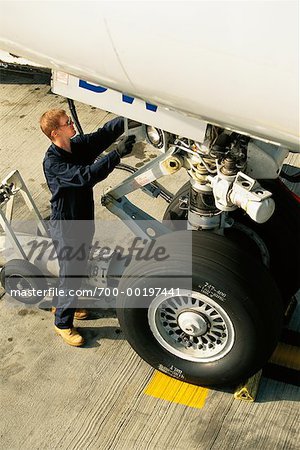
pixel 74 115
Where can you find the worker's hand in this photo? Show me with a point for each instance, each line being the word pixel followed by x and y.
pixel 125 145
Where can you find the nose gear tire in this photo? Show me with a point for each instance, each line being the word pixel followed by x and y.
pixel 220 331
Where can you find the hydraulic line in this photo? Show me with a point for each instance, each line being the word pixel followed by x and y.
pixel 74 115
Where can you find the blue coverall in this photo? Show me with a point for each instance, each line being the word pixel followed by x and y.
pixel 71 178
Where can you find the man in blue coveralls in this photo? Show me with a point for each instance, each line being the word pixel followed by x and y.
pixel 71 173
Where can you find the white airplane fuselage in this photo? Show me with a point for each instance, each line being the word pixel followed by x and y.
pixel 233 64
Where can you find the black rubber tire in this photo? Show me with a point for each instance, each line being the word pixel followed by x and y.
pixel 173 212
pixel 281 234
pixel 19 274
pixel 249 297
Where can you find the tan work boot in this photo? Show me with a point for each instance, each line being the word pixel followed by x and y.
pixel 80 313
pixel 70 336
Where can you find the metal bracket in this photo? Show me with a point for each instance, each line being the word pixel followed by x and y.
pixel 10 186
pixel 140 223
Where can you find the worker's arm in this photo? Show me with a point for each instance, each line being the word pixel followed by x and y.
pixel 95 143
pixel 65 174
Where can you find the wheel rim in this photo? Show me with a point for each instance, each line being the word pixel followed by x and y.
pixel 16 282
pixel 191 326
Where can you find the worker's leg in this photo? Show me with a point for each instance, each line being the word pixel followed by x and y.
pixel 69 283
pixel 72 241
pixel 72 271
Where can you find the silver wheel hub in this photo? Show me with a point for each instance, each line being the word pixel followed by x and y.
pixel 192 323
pixel 191 326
